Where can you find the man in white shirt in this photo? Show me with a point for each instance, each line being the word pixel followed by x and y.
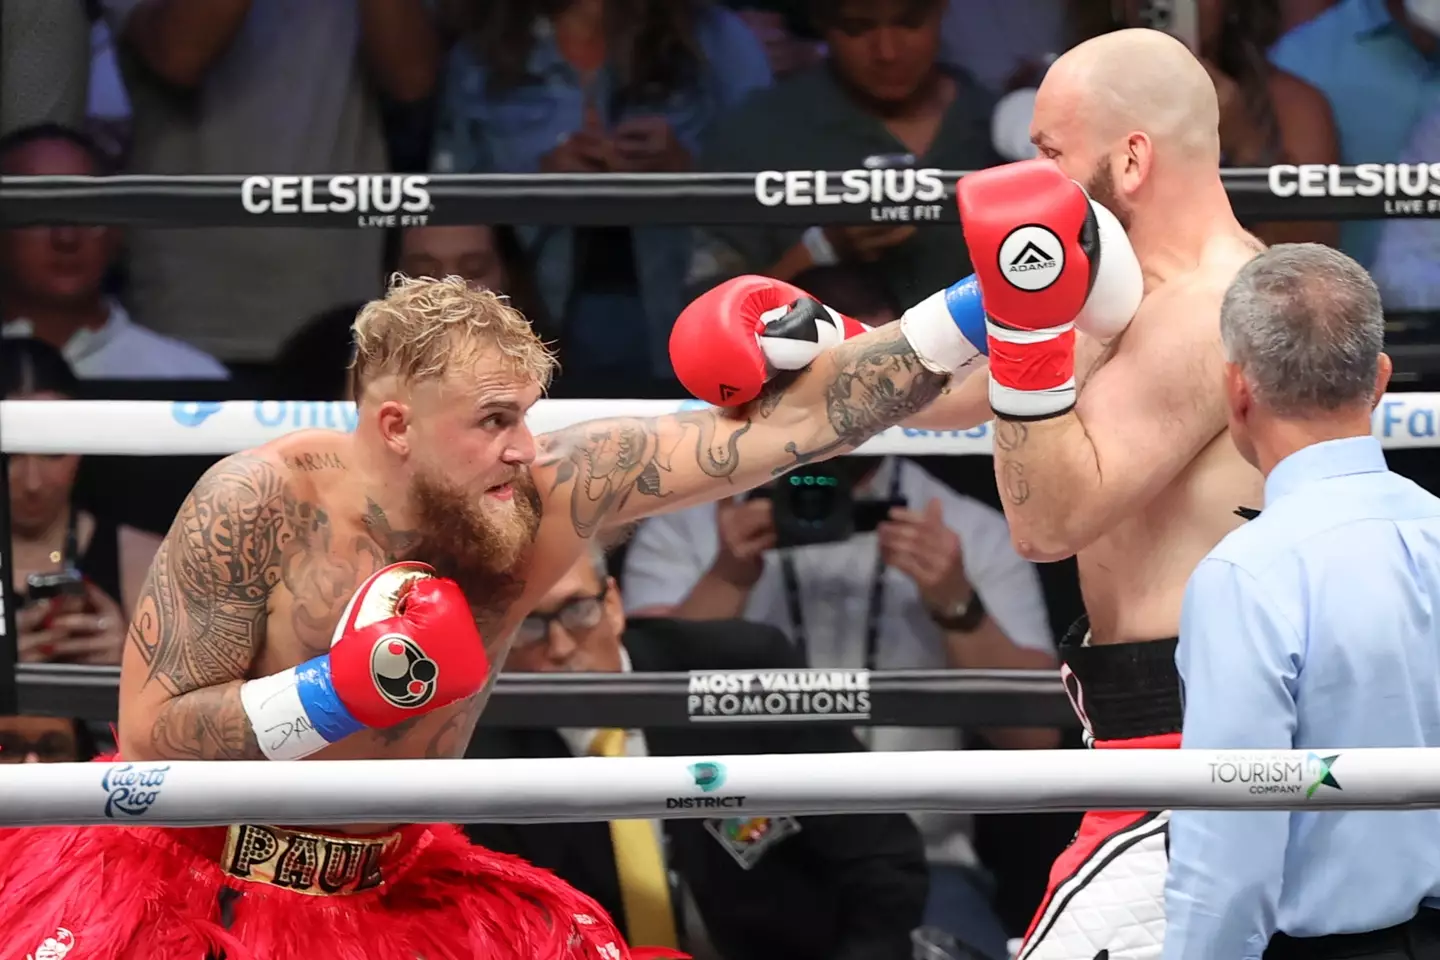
pixel 52 279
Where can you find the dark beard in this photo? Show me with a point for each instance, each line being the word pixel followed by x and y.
pixel 482 553
pixel 1101 187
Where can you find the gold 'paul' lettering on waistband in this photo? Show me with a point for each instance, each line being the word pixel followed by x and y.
pixel 309 863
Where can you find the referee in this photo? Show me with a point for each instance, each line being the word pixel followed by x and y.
pixel 1316 625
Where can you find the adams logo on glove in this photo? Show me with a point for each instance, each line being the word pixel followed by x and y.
pixel 1031 257
pixel 403 674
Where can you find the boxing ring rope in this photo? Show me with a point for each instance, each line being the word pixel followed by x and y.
pixel 795 197
pixel 572 789
pixel 903 698
pixel 173 428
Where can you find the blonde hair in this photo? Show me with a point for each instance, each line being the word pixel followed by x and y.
pixel 423 328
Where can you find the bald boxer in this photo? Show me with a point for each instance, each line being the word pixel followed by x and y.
pixel 1126 467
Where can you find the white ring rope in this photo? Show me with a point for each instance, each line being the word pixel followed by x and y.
pixel 162 428
pixel 579 789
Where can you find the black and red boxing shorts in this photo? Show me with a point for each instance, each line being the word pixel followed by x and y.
pixel 1106 895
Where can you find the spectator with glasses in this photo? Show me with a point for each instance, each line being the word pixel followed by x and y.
pixel 44 740
pixel 847 887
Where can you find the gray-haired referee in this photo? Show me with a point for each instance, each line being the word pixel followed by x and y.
pixel 1316 625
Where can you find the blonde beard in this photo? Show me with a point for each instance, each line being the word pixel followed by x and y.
pixel 511 528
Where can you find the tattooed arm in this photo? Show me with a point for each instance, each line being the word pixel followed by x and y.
pixel 1141 418
pixel 201 618
pixel 608 472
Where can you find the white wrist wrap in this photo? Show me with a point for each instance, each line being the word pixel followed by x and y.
pixel 282 727
pixel 935 337
pixel 1029 404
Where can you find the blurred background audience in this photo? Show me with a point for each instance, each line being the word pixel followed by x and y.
pixel 44 63
pixel 883 98
pixel 53 279
pixel 596 86
pixel 1374 60
pixel 254 86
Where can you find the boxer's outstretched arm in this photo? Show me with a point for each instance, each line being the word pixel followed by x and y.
pixel 201 618
pixel 614 471
pixel 1140 419
pixel 962 405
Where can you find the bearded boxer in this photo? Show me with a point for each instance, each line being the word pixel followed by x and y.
pixel 350 596
pixel 1118 455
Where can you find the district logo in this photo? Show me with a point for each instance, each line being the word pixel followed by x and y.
pixel 1031 258
pixel 1320 768
pixel 708 776
pixel 403 674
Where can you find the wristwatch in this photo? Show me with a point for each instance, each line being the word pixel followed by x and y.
pixel 962 617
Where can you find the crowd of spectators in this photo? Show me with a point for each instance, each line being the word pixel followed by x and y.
pixel 596 86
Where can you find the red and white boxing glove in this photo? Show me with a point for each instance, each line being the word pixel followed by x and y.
pixel 1047 259
pixel 731 340
pixel 406 645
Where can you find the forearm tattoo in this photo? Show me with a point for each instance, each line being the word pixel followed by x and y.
pixel 876 382
pixel 205 724
pixel 1010 439
pixel 609 461
pixel 879 382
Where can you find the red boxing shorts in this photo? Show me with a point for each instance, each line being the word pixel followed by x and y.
pixel 253 892
pixel 1106 895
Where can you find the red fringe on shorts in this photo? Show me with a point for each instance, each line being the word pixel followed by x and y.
pixel 155 893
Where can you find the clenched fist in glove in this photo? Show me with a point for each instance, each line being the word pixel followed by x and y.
pixel 406 645
pixel 1048 260
pixel 733 339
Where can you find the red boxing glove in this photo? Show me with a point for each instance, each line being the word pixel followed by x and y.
pixel 1048 260
pixel 731 340
pixel 407 645
pixel 1033 241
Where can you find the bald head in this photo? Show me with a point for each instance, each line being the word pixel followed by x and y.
pixel 1133 116
pixel 1139 81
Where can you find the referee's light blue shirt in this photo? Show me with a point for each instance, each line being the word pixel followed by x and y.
pixel 1315 625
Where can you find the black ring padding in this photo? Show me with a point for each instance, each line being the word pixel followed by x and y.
pixel 908 698
pixel 633 199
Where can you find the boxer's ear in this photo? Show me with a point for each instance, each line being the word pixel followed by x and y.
pixel 1135 163
pixel 392 417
